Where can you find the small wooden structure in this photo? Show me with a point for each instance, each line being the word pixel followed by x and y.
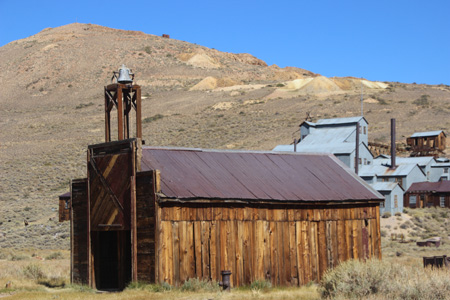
pixel 64 207
pixel 430 143
pixel 169 214
pixel 428 194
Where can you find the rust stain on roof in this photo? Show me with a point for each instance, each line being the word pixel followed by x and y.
pixel 196 173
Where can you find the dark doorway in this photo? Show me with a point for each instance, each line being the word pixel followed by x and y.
pixel 112 259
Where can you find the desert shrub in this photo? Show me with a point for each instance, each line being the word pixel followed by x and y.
pixel 33 271
pixel 398 214
pixel 260 285
pixel 195 285
pixel 405 210
pixel 386 214
pixel 422 101
pixel 153 118
pixel 383 233
pixel 17 257
pixel 55 255
pixel 387 280
pixel 52 282
pixel 280 85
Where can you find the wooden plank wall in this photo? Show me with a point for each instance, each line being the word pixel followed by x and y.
pixel 64 213
pixel 145 221
pixel 79 232
pixel 286 245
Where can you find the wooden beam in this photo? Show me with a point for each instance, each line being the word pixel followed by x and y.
pixel 138 113
pixel 120 125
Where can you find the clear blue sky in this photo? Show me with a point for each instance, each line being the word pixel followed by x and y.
pixel 397 40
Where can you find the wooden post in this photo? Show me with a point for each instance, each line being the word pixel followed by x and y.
pixel 138 112
pixel 119 112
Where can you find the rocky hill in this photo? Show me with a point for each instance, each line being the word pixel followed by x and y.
pixel 51 108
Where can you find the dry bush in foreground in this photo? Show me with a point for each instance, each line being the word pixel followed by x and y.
pixel 376 279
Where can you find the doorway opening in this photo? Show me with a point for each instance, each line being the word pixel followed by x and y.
pixel 112 259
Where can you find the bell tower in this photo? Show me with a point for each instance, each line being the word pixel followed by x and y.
pixel 123 95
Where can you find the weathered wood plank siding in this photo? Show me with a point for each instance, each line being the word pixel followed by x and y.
pixel 289 245
pixel 145 223
pixel 79 232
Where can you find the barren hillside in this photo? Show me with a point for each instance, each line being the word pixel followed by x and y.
pixel 52 108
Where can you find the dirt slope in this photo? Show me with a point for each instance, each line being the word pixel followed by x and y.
pixel 51 108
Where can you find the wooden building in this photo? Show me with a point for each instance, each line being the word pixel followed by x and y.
pixel 430 143
pixel 168 214
pixel 428 194
pixel 64 207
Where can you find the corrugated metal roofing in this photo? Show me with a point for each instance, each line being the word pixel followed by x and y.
pixel 348 120
pixel 426 133
pixel 440 186
pixel 384 186
pixel 419 160
pixel 196 173
pixel 382 171
pixel 343 148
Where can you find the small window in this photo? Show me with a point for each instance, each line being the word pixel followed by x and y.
pixel 360 161
pixel 442 201
pixel 365 132
pixel 445 170
pixel 412 200
pixel 382 204
pixel 66 204
pixel 395 201
pixel 365 161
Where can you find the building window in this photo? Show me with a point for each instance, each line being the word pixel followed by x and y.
pixel 66 204
pixel 445 170
pixel 412 201
pixel 365 132
pixel 395 201
pixel 365 161
pixel 360 161
pixel 382 204
pixel 442 201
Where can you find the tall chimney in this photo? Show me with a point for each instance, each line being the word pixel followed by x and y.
pixel 357 149
pixel 393 166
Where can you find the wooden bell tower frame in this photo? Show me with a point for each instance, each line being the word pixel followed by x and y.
pixel 124 97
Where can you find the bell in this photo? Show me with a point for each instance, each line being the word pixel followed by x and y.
pixel 125 75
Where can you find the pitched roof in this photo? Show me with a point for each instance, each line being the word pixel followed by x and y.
pixel 336 121
pixel 440 186
pixel 237 175
pixel 385 186
pixel 418 160
pixel 427 133
pixel 385 171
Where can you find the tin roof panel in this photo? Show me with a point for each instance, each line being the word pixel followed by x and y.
pixel 196 173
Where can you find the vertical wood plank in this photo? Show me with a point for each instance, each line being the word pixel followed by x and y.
pixel 198 250
pixel 190 249
pixel 307 265
pixel 293 255
pixel 239 276
pixel 231 250
pixel 322 250
pixel 213 251
pixel 314 250
pixel 355 238
pixel 267 261
pixel 274 253
pixel 169 251
pixel 299 253
pixel 176 253
pixel 259 270
pixel 205 231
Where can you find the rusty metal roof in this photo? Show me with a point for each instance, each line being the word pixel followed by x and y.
pixel 214 174
pixel 440 186
pixel 427 133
